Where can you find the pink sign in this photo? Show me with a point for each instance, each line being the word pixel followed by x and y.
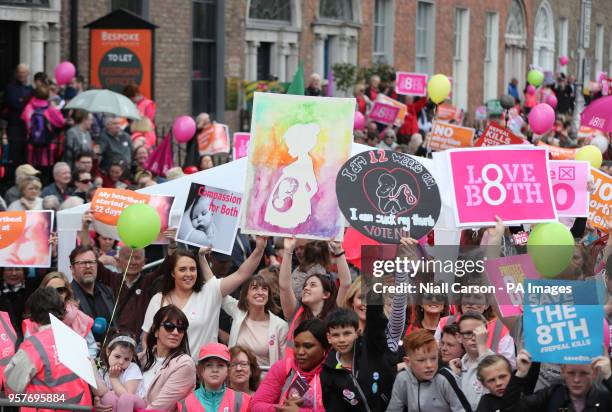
pixel 383 113
pixel 414 84
pixel 512 183
pixel 241 145
pixel 506 274
pixel 569 184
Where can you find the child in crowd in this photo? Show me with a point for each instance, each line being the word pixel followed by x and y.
pixel 450 344
pixel 120 380
pixel 421 386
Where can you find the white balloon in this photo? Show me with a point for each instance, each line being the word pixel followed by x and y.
pixel 601 142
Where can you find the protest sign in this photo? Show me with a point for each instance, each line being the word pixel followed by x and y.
pixel 383 113
pixel 107 205
pixel 558 153
pixel 480 113
pixel 210 218
pixel 569 183
pixel 496 135
pixel 601 200
pixel 505 274
pixel 449 136
pixel 446 113
pixel 213 139
pixel 403 109
pixel 387 195
pixel 24 238
pixel 414 84
pixel 241 145
pixel 512 183
pixel 560 326
pixel 298 144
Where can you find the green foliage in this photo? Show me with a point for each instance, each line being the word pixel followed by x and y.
pixel 347 75
pixel 344 76
pixel 383 70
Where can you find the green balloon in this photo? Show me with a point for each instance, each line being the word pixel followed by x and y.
pixel 551 246
pixel 138 225
pixel 535 77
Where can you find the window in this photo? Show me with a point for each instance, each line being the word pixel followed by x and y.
pixel 599 48
pixel 425 26
pixel 204 56
pixel 383 31
pixel 563 36
pixel 263 61
pixel 135 6
pixel 460 58
pixel 277 10
pixel 491 56
pixel 544 38
pixel 336 9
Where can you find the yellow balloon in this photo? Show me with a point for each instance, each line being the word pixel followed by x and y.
pixel 590 153
pixel 438 88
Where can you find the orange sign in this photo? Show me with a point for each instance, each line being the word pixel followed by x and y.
pixel 107 204
pixel 214 139
pixel 12 225
pixel 446 113
pixel 559 153
pixel 601 200
pixel 449 136
pixel 120 57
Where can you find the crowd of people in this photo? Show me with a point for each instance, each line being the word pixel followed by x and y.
pixel 281 324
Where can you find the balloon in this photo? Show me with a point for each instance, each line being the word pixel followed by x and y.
pixel 601 142
pixel 551 100
pixel 507 101
pixel 541 118
pixel 531 90
pixel 183 128
pixel 590 153
pixel 99 326
pixel 563 60
pixel 359 122
pixel 138 225
pixel 438 88
pixel 188 170
pixel 64 73
pixel 535 77
pixel 551 247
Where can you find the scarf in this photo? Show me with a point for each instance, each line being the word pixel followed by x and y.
pixel 12 288
pixel 27 204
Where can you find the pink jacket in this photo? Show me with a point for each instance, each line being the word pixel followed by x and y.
pixel 51 113
pixel 172 384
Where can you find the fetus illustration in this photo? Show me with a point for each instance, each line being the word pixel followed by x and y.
pixel 393 201
pixel 290 201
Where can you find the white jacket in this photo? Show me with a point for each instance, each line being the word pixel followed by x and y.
pixel 277 329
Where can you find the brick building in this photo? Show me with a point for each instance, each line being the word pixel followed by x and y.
pixel 205 48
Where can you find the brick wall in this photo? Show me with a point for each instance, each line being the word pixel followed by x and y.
pixel 404 34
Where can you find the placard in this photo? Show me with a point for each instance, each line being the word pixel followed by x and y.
pixel 558 153
pixel 563 331
pixel 210 218
pixel 512 183
pixel 298 144
pixel 569 183
pixel 414 84
pixel 403 109
pixel 496 135
pixel 449 136
pixel 107 205
pixel 213 139
pixel 388 195
pixel 506 274
pixel 448 113
pixel 24 238
pixel 601 200
pixel 480 113
pixel 383 113
pixel 241 145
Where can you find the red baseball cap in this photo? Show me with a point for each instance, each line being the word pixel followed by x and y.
pixel 214 350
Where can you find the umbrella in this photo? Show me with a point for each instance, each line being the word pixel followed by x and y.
pixel 105 101
pixel 598 114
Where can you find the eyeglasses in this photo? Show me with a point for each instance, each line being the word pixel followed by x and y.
pixel 62 290
pixel 467 335
pixel 241 365
pixel 169 327
pixel 85 181
pixel 84 263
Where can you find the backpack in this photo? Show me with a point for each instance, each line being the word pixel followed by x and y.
pixel 40 129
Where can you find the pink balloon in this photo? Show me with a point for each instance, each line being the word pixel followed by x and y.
pixel 551 100
pixel 183 128
pixel 531 90
pixel 359 123
pixel 64 73
pixel 541 118
pixel 563 60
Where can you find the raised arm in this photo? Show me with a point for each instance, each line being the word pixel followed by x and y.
pixel 206 270
pixel 287 297
pixel 344 273
pixel 233 281
pixel 86 220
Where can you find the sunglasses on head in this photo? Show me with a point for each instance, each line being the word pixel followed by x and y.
pixel 169 327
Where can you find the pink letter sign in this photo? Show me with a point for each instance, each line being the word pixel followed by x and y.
pixel 569 184
pixel 383 113
pixel 511 183
pixel 414 84
pixel 241 145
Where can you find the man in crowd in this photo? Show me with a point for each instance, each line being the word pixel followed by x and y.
pixel 17 95
pixel 84 161
pixel 115 144
pixel 61 179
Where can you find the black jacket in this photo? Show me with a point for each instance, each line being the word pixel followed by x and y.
pixel 373 371
pixel 104 301
pixel 492 403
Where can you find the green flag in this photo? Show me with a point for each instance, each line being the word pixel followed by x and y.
pixel 297 84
